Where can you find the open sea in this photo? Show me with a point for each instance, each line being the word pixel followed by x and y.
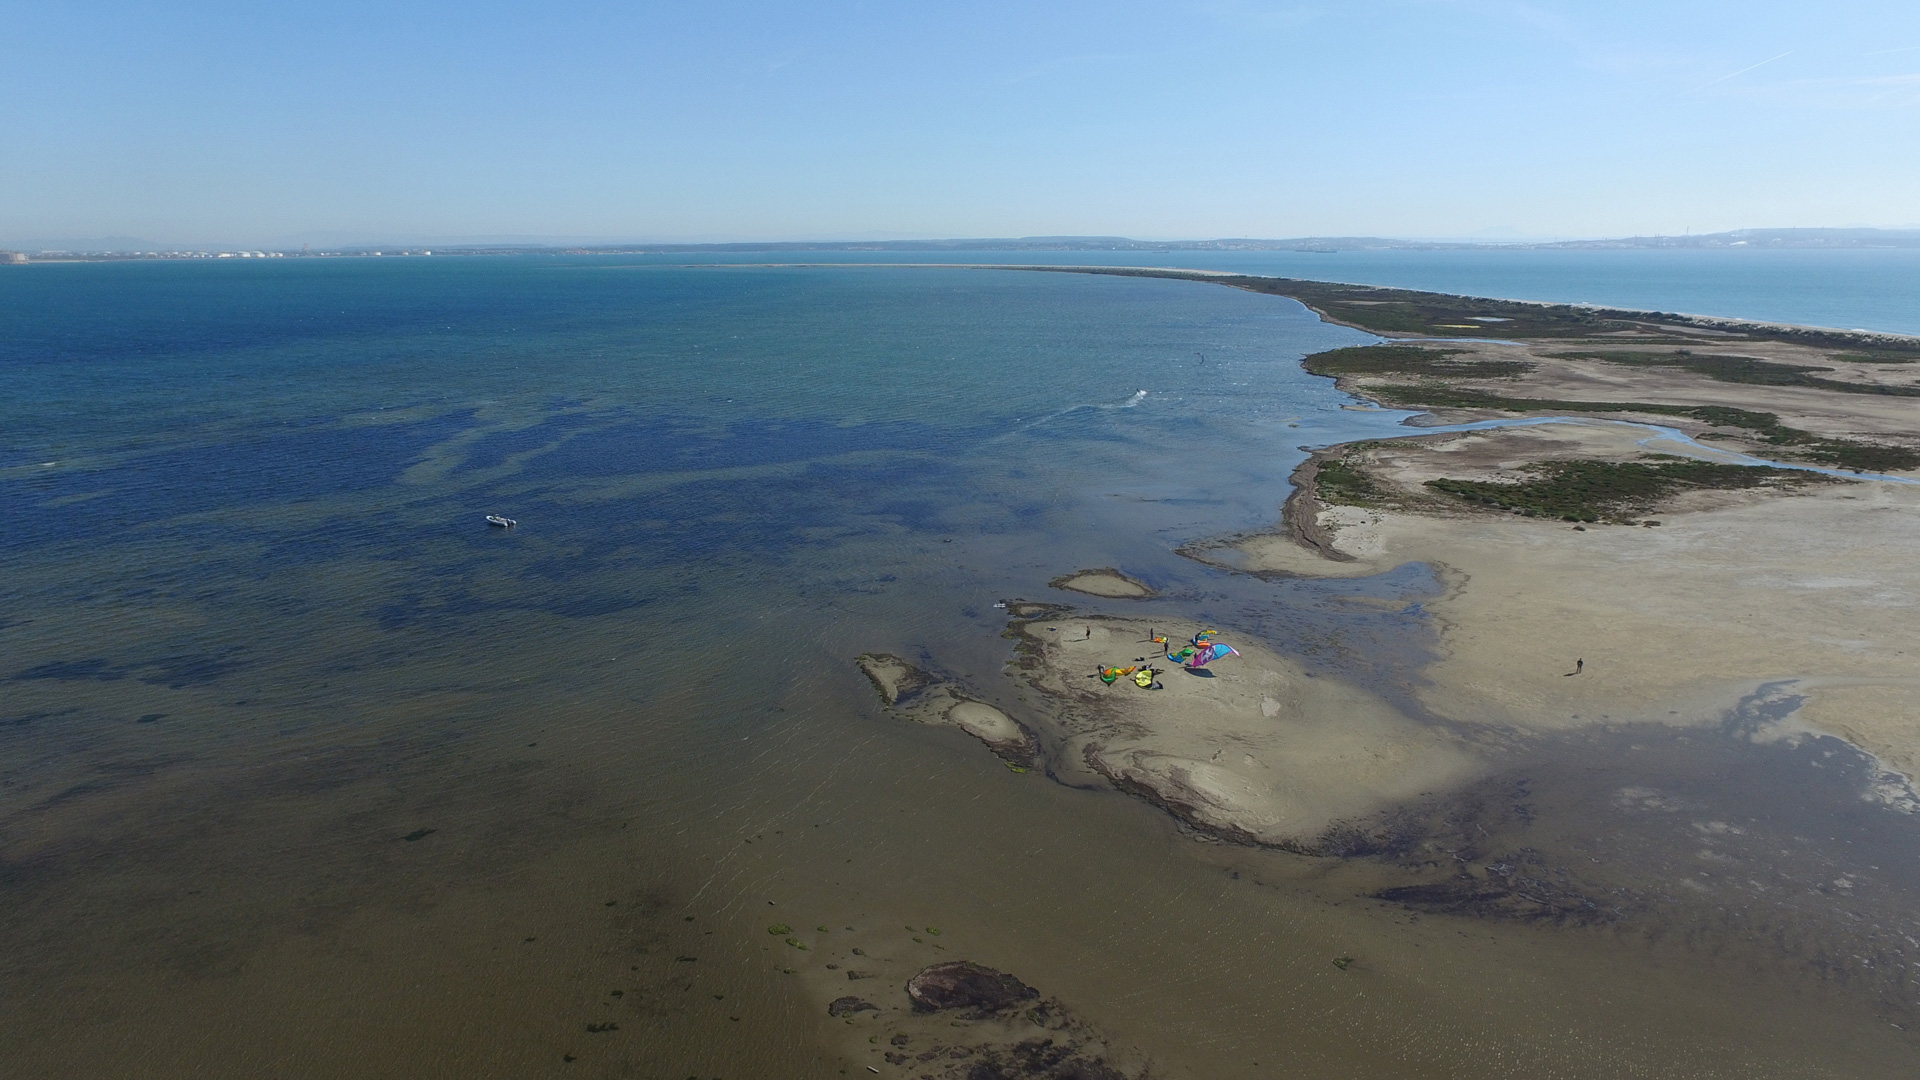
pixel 307 772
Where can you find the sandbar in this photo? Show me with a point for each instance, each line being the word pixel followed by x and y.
pixel 1104 581
pixel 1255 748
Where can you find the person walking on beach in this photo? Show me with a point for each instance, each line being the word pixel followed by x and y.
pixel 1579 665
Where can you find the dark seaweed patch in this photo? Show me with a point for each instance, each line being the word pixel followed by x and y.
pixel 177 672
pixel 97 669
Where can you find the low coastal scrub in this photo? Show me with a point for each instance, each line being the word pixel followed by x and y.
pixel 1879 356
pixel 1405 311
pixel 1408 360
pixel 1606 490
pixel 1740 369
pixel 1409 311
pixel 1338 481
pixel 1452 397
pixel 1837 453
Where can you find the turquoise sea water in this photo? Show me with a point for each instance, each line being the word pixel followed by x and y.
pixel 304 770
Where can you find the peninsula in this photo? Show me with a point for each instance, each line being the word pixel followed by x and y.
pixel 1633 544
pixel 1636 517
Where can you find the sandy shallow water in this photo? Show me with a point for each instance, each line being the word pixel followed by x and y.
pixel 308 773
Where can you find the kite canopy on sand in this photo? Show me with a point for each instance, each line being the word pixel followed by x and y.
pixel 1203 650
pixel 1208 653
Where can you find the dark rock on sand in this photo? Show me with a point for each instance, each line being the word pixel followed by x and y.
pixel 965 985
pixel 1011 1033
pixel 847 1006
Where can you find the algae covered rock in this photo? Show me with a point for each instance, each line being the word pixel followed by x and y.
pixel 962 984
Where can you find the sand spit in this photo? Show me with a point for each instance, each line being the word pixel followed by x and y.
pixel 1254 749
pixel 916 695
pixel 1104 581
pixel 1546 625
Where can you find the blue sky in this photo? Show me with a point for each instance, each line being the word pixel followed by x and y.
pixel 273 123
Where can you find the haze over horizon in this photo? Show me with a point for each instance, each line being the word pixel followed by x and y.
pixel 342 123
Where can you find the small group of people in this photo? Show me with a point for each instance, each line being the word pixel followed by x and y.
pixel 1197 653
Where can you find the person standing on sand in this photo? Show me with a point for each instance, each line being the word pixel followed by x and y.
pixel 1579 665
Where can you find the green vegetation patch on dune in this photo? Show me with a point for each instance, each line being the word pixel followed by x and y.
pixel 1339 481
pixel 1452 397
pixel 1837 453
pixel 1606 490
pixel 1408 360
pixel 1740 369
pixel 1405 311
pixel 1879 356
pixel 1409 311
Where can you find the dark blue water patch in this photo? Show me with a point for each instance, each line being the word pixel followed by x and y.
pixel 493 450
pixel 640 446
pixel 27 719
pixel 194 669
pixel 414 608
pixel 705 523
pixel 94 669
pixel 914 512
pixel 174 671
pixel 320 460
pixel 142 312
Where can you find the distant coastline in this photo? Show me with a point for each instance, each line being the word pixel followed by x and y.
pixel 116 248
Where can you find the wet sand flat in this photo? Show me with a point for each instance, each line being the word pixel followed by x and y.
pixel 1674 623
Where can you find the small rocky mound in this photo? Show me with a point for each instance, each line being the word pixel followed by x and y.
pixel 970 1022
pixel 847 1006
pixel 894 678
pixel 920 696
pixel 962 984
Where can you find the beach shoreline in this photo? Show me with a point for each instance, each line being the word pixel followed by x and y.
pixel 1731 582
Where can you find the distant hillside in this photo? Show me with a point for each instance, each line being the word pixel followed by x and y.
pixel 1769 238
pixel 1772 238
pixel 121 246
pixel 1047 243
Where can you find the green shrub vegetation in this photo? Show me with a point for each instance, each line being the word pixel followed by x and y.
pixel 1837 453
pixel 1879 356
pixel 1606 490
pixel 1741 369
pixel 1408 360
pixel 1338 481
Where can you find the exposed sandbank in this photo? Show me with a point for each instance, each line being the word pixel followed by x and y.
pixel 1820 585
pixel 1253 748
pixel 1105 581
pixel 919 696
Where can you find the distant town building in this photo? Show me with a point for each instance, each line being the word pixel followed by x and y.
pixel 13 256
